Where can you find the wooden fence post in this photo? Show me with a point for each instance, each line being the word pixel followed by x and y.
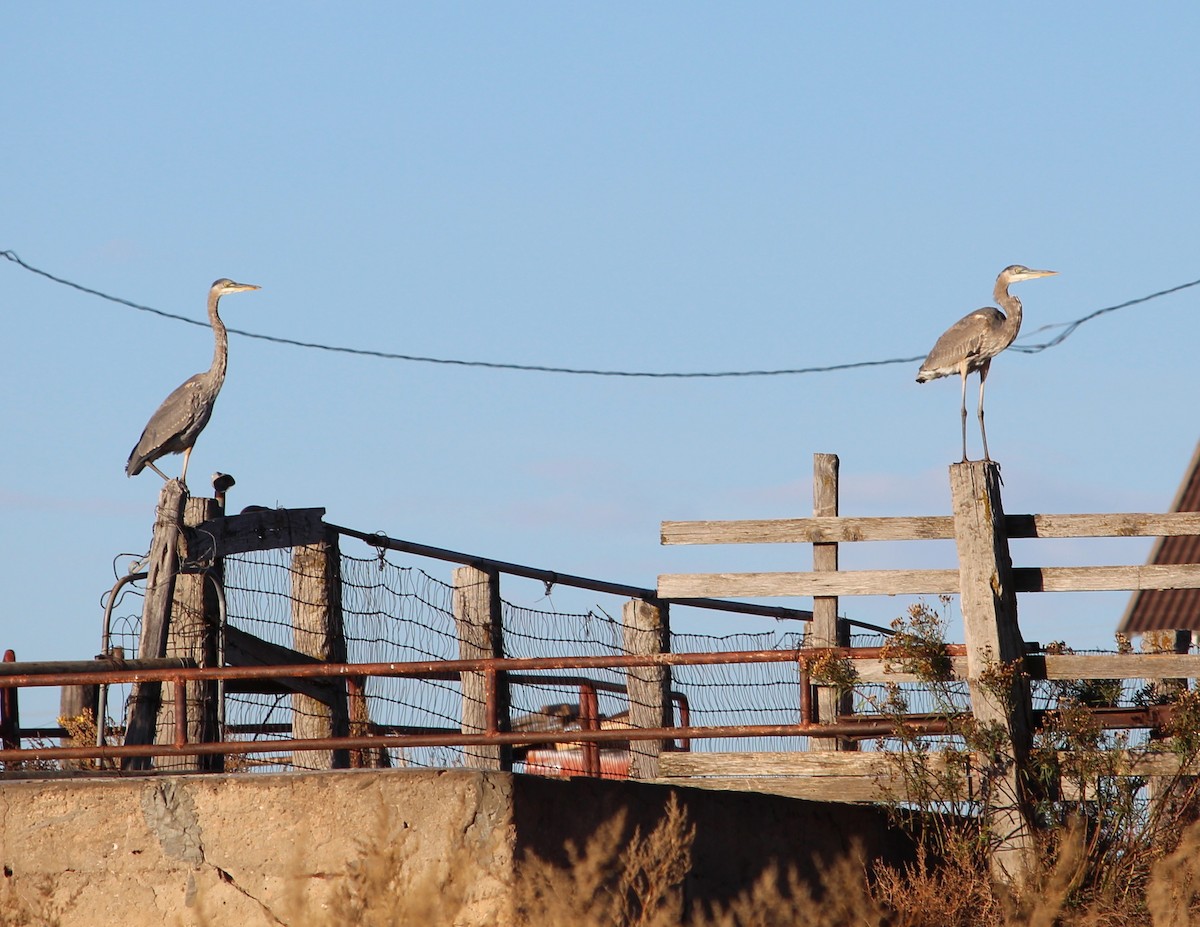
pixel 193 633
pixel 647 631
pixel 1164 789
pixel 481 636
pixel 163 567
pixel 994 646
pixel 318 631
pixel 826 630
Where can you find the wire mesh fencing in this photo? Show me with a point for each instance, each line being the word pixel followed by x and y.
pixel 401 608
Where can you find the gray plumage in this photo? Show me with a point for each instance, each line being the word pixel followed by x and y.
pixel 173 429
pixel 970 343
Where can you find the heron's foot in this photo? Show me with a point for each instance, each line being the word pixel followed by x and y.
pixel 995 464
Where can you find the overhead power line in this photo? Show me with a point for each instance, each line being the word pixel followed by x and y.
pixel 1068 329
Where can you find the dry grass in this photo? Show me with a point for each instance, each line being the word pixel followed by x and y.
pixel 639 884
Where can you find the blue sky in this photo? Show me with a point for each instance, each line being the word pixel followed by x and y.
pixel 670 187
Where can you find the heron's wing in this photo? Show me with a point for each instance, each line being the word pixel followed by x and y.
pixel 969 339
pixel 176 423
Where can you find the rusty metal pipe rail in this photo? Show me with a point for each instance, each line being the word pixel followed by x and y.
pixel 601 685
pixel 436 668
pixel 591 736
pixel 100 664
pixel 844 729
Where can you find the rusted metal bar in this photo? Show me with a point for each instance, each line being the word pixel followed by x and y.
pixel 685 718
pixel 10 715
pixel 860 727
pixel 99 664
pixel 380 541
pixel 1108 718
pixel 559 679
pixel 589 720
pixel 601 685
pixel 806 693
pixel 436 669
pixel 454 739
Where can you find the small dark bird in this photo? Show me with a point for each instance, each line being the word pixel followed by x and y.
pixel 173 429
pixel 971 342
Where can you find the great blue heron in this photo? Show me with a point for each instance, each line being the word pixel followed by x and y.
pixel 183 415
pixel 971 342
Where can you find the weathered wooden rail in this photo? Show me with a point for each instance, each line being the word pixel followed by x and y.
pixel 987 584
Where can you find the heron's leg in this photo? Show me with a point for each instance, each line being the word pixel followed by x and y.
pixel 963 372
pixel 183 476
pixel 158 471
pixel 983 372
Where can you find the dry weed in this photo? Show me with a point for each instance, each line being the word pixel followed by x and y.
pixel 636 885
pixel 841 900
pixel 952 891
pixel 1173 892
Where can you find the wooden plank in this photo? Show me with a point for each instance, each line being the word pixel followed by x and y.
pixel 1107 578
pixel 1165 763
pixel 850 582
pixel 875 764
pixel 647 631
pixel 259 529
pixel 195 617
pixel 477 616
pixel 851 789
pixel 879 671
pixel 690 763
pixel 1115 666
pixel 852 777
pixel 877 779
pixel 145 697
pixel 923 528
pixel 825 630
pixel 993 638
pixel 807 530
pixel 318 631
pixel 925 582
pixel 1063 666
pixel 1109 525
pixel 244 649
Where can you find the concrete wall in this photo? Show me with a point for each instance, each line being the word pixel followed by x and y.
pixel 255 849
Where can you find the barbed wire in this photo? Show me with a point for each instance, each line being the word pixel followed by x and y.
pixel 1068 329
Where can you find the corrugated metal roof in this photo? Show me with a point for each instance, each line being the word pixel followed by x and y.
pixel 1171 609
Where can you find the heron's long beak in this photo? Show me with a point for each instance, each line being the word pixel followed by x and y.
pixel 244 287
pixel 1031 274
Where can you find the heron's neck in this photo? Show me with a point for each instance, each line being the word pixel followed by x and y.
pixel 1012 311
pixel 221 349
